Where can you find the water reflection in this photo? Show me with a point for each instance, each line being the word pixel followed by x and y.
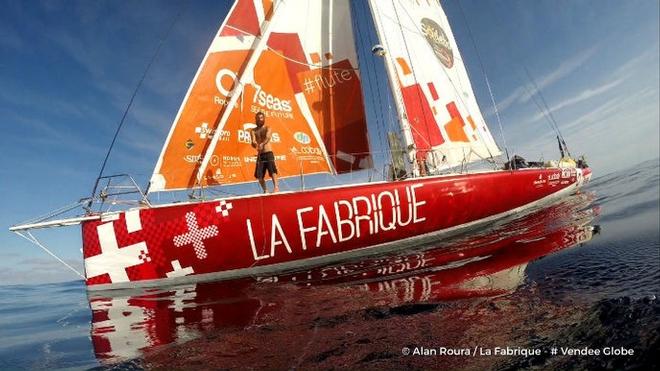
pixel 487 262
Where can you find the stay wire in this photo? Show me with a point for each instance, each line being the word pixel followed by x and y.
pixel 368 68
pixel 545 105
pixel 483 71
pixel 521 62
pixel 137 88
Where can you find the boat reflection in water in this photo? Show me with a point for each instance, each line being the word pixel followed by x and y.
pixel 492 262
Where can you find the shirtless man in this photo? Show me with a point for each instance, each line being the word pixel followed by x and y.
pixel 261 136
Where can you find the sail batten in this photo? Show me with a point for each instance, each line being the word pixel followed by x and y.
pixel 293 60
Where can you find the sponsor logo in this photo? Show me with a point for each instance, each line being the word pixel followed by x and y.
pixel 245 136
pixel 269 101
pixel 332 224
pixel 439 42
pixel 326 80
pixel 195 159
pixel 204 132
pixel 189 144
pixel 567 173
pixel 307 150
pixel 301 138
pixel 225 80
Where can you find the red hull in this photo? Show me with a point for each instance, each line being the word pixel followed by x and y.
pixel 129 324
pixel 268 233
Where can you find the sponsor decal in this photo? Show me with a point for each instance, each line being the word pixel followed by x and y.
pixel 343 220
pixel 554 176
pixel 194 159
pixel 269 101
pixel 301 138
pixel 308 150
pixel 326 81
pixel 225 80
pixel 540 181
pixel 189 144
pixel 245 136
pixel 439 42
pixel 204 130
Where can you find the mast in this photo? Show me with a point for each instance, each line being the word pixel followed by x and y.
pixel 245 77
pixel 396 89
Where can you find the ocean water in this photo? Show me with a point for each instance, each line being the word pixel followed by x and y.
pixel 583 274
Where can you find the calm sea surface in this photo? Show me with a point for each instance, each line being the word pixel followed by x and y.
pixel 581 274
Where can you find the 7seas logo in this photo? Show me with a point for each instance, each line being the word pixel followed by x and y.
pixel 439 42
pixel 261 97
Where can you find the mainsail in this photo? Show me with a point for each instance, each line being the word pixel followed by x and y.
pixel 441 120
pixel 294 60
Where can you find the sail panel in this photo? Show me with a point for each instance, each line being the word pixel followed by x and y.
pixel 446 124
pixel 305 83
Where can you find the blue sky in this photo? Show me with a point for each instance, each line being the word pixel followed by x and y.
pixel 68 69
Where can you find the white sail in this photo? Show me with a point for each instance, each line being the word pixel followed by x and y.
pixel 441 119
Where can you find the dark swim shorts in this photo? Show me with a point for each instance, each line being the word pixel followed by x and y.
pixel 265 161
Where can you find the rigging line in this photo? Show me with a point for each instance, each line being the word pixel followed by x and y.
pixel 544 109
pixel 548 117
pixel 548 111
pixel 278 53
pixel 534 99
pixel 370 72
pixel 412 68
pixel 30 237
pixel 396 91
pixel 521 59
pixel 483 70
pixel 388 124
pixel 137 88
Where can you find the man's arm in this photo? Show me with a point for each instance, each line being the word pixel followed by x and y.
pixel 253 138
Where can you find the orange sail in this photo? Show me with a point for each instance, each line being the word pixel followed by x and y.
pixel 303 79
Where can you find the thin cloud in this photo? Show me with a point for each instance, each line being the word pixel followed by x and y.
pixel 523 94
pixel 582 96
pixel 610 107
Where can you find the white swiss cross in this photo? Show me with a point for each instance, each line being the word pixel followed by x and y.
pixel 112 259
pixel 203 130
pixel 224 208
pixel 126 327
pixel 195 235
pixel 177 271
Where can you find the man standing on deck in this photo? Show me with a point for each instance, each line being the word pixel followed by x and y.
pixel 261 136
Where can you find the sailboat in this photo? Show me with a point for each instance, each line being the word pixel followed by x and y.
pixel 134 322
pixel 296 61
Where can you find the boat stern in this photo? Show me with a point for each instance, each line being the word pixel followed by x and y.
pixel 585 176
